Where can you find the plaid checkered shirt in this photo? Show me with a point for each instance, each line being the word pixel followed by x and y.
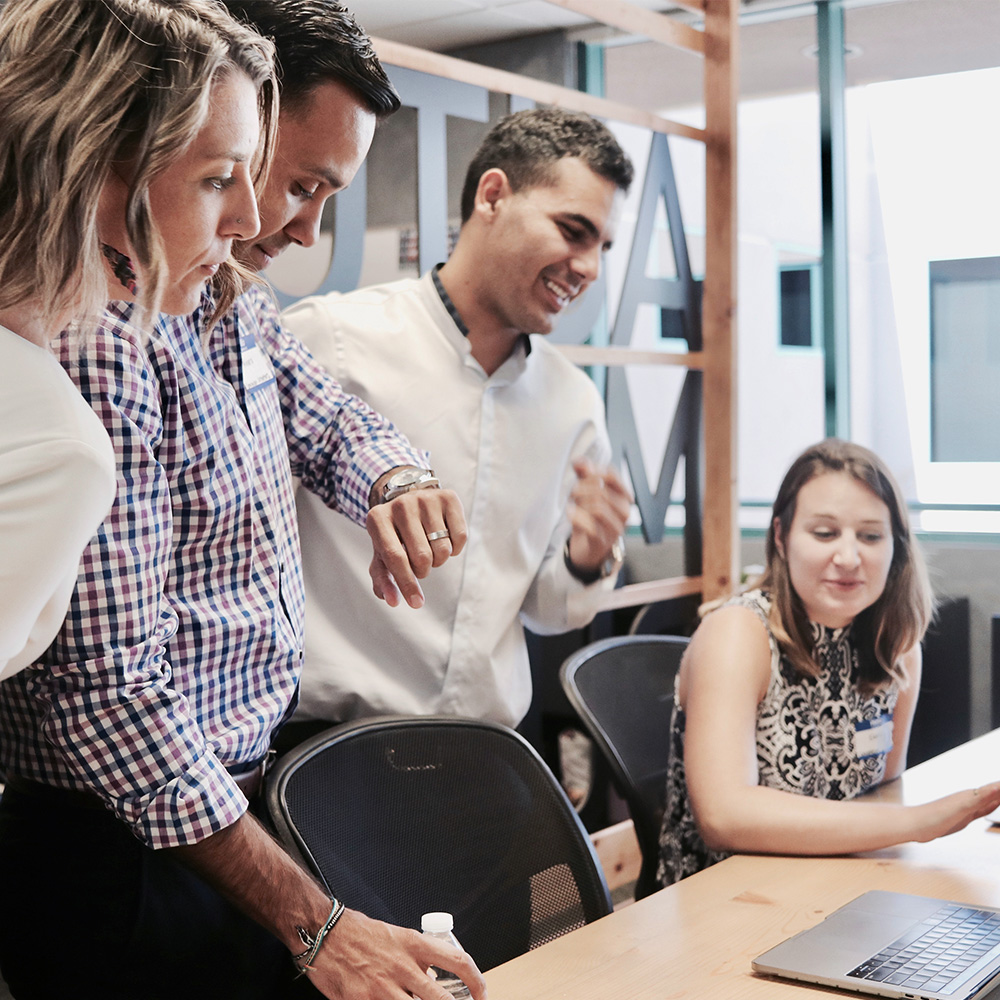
pixel 182 647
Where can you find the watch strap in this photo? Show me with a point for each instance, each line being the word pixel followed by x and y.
pixel 610 565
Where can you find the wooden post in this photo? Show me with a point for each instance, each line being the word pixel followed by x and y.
pixel 721 518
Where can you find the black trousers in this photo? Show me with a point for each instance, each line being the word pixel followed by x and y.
pixel 87 911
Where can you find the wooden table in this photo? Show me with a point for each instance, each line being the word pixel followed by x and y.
pixel 696 938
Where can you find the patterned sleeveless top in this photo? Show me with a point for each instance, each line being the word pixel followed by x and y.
pixel 810 739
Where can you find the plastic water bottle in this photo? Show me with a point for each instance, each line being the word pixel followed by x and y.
pixel 439 926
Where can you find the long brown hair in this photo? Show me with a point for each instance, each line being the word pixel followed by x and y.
pixel 899 618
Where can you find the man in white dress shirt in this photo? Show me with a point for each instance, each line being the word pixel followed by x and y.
pixel 457 359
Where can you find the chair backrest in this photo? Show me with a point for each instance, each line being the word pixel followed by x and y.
pixel 675 616
pixel 402 816
pixel 622 689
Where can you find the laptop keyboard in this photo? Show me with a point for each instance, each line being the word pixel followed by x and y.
pixel 936 952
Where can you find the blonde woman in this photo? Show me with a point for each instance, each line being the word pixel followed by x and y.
pixel 96 99
pixel 797 696
pixel 134 746
pixel 131 136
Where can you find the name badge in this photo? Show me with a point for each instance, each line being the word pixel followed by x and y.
pixel 873 737
pixel 257 368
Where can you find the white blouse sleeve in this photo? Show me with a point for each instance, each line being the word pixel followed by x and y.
pixel 57 483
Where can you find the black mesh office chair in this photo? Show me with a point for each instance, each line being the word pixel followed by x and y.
pixel 676 616
pixel 622 689
pixel 401 816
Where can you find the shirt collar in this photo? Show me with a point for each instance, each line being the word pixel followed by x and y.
pixel 456 316
pixel 825 635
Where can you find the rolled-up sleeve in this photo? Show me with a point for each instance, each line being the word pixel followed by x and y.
pixel 103 690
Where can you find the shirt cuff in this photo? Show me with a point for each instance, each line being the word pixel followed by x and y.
pixel 368 467
pixel 188 809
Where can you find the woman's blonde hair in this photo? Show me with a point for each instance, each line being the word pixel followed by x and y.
pixel 899 618
pixel 85 86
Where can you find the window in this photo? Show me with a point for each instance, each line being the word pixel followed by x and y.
pixel 798 290
pixel 965 359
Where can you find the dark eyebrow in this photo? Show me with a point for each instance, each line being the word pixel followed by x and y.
pixel 833 517
pixel 582 220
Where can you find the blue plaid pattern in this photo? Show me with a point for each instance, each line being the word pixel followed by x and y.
pixel 183 643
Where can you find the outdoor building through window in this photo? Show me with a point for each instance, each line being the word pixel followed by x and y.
pixel 965 360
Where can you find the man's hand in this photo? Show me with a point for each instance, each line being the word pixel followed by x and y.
pixel 403 553
pixel 360 959
pixel 366 959
pixel 600 507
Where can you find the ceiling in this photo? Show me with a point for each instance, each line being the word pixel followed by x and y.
pixel 887 39
pixel 448 24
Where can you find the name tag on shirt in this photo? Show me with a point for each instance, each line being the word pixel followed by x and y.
pixel 873 737
pixel 257 368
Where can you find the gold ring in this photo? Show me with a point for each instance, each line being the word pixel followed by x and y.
pixel 435 535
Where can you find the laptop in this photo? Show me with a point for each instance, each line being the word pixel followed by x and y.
pixel 889 944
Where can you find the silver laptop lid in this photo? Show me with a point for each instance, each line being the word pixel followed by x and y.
pixel 844 942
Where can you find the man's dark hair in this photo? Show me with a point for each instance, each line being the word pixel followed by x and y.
pixel 316 41
pixel 526 144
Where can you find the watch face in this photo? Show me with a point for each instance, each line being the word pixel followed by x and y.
pixel 405 478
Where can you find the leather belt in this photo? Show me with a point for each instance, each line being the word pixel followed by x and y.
pixel 250 782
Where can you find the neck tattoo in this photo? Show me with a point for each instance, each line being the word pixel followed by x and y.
pixel 122 267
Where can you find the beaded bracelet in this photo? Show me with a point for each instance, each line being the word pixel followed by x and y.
pixel 304 960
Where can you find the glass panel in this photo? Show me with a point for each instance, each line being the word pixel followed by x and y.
pixel 965 359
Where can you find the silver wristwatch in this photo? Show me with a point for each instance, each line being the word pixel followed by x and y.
pixel 408 479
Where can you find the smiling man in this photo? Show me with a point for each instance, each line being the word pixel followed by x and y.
pixel 457 359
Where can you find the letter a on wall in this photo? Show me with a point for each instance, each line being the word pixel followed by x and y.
pixel 679 295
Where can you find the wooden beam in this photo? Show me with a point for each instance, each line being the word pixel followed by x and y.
pixel 584 354
pixel 721 526
pixel 499 80
pixel 634 595
pixel 638 21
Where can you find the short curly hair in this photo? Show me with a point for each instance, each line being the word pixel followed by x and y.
pixel 526 144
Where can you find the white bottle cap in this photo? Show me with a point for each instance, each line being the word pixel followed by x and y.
pixel 437 923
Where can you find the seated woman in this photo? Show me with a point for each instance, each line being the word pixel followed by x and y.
pixel 798 695
pixel 98 101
